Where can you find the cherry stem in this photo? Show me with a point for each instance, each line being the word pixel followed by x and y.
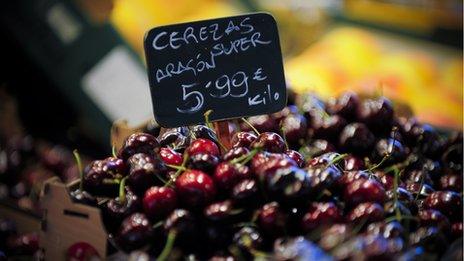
pixel 168 247
pixel 244 158
pixel 122 191
pixel 376 166
pixel 337 159
pixel 113 151
pixel 206 114
pixel 176 167
pixel 251 126
pixel 179 170
pixel 111 181
pixel 79 167
pixel 282 130
pixel 392 218
pixel 395 193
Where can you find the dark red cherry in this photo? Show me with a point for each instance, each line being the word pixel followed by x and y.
pixel 294 129
pixel 456 229
pixel 350 176
pixel 262 123
pixel 235 152
pixel 390 149
pixel 139 143
pixel 318 147
pixel 328 127
pixel 170 156
pixel 204 132
pixel 115 166
pixel 334 235
pixel 226 176
pixel 297 157
pixel 432 217
pixel 417 188
pixel 418 176
pixel 175 139
pixel 203 146
pixel 134 233
pixel 263 164
pixel 290 185
pixel 386 179
pixel 243 139
pixel 143 172
pixel 23 244
pixel 204 162
pixel 95 177
pixel 377 114
pixel 158 202
pixel 320 213
pixel 270 142
pixel 323 160
pixel 311 106
pixel 195 188
pixel 447 202
pixel 430 238
pixel 185 224
pixel 352 162
pixel 404 197
pixel 392 229
pixel 409 128
pixel 246 193
pixel 116 209
pixel 346 105
pixel 81 251
pixel 220 212
pixel 272 219
pixel 451 182
pixel 364 190
pixel 356 138
pixel 366 212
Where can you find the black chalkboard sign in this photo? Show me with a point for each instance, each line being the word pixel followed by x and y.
pixel 231 65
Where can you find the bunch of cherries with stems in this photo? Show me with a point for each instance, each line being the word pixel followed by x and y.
pixel 345 179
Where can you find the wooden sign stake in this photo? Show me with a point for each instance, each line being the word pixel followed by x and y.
pixel 223 133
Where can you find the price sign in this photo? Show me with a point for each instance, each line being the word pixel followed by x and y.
pixel 230 65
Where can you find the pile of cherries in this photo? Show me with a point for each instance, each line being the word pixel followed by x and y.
pixel 25 163
pixel 15 245
pixel 345 179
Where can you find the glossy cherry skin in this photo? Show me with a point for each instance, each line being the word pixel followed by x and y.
pixel 246 193
pixel 391 148
pixel 270 142
pixel 290 185
pixel 204 162
pixel 366 212
pixel 356 138
pixel 170 156
pixel 243 139
pixel 235 152
pixel 94 176
pixel 284 113
pixel 451 182
pixel 221 212
pixel 195 188
pixel 297 157
pixel 352 162
pixel 158 202
pixel 377 114
pixel 23 244
pixel 226 176
pixel 364 190
pixel 320 213
pixel 334 235
pixel 447 202
pixel 143 172
pixel 318 147
pixel 294 128
pixel 115 166
pixel 185 224
pixel 204 132
pixel 346 105
pixel 116 210
pixel 456 229
pixel 392 229
pixel 272 219
pixel 327 127
pixel 263 164
pixel 81 251
pixel 135 232
pixel 139 143
pixel 323 178
pixel 432 217
pixel 203 146
pixel 175 139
